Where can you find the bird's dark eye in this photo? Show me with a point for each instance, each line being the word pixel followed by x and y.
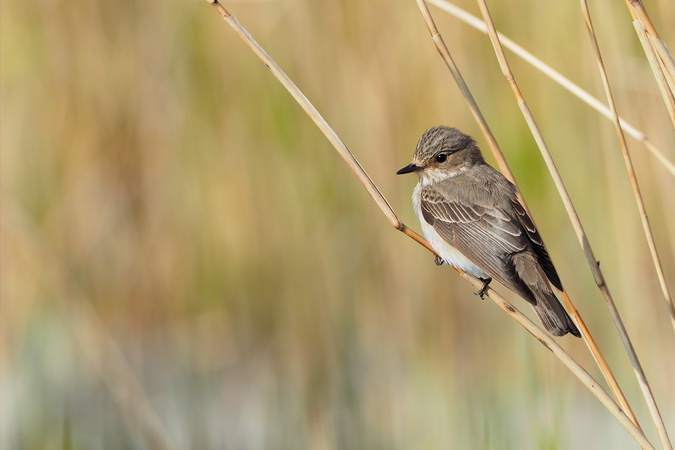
pixel 441 157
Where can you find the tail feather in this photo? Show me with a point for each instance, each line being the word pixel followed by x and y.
pixel 553 315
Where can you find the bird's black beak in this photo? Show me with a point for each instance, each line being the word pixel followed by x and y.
pixel 412 167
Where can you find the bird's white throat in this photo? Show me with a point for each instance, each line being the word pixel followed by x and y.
pixel 433 175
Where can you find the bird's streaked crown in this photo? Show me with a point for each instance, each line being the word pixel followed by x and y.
pixel 440 139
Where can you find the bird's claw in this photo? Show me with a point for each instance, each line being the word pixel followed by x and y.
pixel 438 260
pixel 481 292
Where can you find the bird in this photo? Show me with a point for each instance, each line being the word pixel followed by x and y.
pixel 471 216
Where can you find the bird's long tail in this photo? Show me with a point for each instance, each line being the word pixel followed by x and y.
pixel 553 315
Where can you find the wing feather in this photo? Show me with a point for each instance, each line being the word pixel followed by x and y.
pixel 486 235
pixel 537 244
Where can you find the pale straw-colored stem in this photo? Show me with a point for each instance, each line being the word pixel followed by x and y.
pixel 585 333
pixel 313 114
pixel 595 268
pixel 598 357
pixel 666 59
pixel 649 397
pixel 470 101
pixel 659 75
pixel 464 88
pixel 639 12
pixel 384 206
pixel 563 81
pixel 546 340
pixel 629 165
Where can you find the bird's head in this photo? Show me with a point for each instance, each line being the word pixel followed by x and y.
pixel 443 152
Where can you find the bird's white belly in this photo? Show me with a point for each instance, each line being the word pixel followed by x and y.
pixel 449 253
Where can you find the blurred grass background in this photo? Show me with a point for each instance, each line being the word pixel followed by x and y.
pixel 161 191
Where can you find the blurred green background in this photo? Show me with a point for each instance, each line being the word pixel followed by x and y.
pixel 186 262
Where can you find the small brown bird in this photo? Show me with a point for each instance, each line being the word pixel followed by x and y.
pixel 471 216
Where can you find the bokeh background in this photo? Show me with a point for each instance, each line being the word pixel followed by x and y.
pixel 187 263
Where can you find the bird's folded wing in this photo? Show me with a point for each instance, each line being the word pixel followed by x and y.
pixel 476 226
pixel 487 236
pixel 537 244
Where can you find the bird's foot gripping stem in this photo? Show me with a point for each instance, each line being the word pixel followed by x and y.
pixel 481 292
pixel 438 260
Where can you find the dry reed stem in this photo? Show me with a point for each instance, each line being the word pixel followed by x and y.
pixel 669 79
pixel 543 337
pixel 546 340
pixel 585 333
pixel 639 12
pixel 464 88
pixel 595 268
pixel 653 408
pixel 563 81
pixel 666 63
pixel 599 358
pixel 660 77
pixel 471 102
pixel 629 166
pixel 666 59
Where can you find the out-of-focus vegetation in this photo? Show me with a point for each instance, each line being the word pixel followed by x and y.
pixel 184 256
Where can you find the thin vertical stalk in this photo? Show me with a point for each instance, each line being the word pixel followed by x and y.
pixel 638 11
pixel 666 59
pixel 585 333
pixel 595 268
pixel 653 408
pixel 660 77
pixel 556 76
pixel 466 92
pixel 629 166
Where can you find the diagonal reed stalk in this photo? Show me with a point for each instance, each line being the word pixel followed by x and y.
pixel 660 59
pixel 639 372
pixel 585 333
pixel 629 164
pixel 653 408
pixel 653 59
pixel 566 83
pixel 466 92
pixel 543 337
